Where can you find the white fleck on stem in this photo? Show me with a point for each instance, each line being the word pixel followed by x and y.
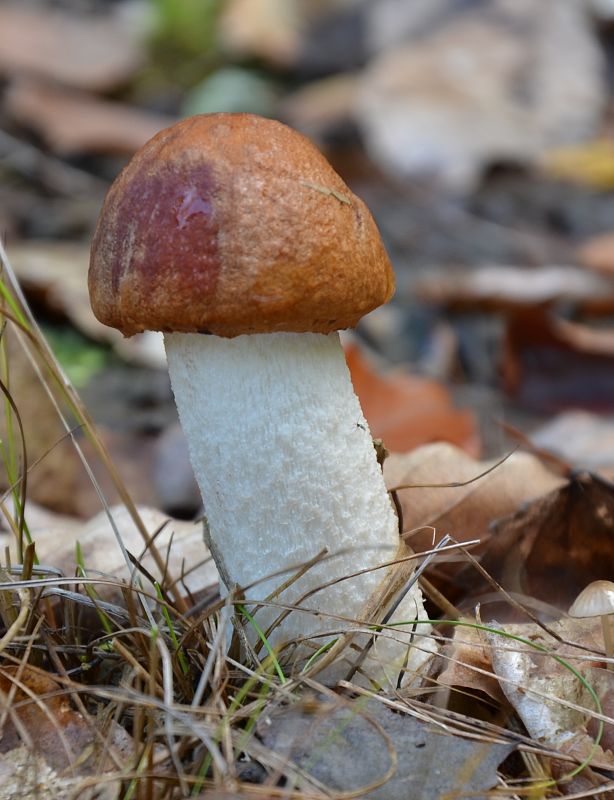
pixel 286 467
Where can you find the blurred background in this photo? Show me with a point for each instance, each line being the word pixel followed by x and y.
pixel 479 132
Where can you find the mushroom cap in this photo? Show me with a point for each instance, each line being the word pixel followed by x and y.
pixel 595 600
pixel 232 224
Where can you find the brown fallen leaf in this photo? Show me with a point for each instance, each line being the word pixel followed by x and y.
pixel 40 716
pixel 556 545
pixel 73 122
pixel 504 288
pixel 464 512
pixel 406 410
pixel 607 705
pixel 588 783
pixel 96 53
pixel 468 664
pixel 551 364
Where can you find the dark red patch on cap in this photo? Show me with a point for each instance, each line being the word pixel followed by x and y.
pixel 165 233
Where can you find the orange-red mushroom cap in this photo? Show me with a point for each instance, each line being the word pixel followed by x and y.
pixel 233 224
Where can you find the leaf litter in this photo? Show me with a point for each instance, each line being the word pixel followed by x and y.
pixel 145 650
pixel 348 737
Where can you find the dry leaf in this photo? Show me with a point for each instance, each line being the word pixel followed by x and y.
pixel 54 274
pixel 501 288
pixel 467 659
pixel 40 711
pixel 464 95
pixel 552 548
pixel 550 364
pixel 56 473
pixel 43 525
pixel 74 122
pixel 321 106
pixel 463 512
pixel 57 478
pixel 583 440
pixel 265 29
pixel 179 542
pixel 534 683
pixel 95 53
pixel 407 411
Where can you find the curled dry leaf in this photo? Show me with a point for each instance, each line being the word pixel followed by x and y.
pixel 464 512
pixel 88 53
pixel 407 411
pixel 552 702
pixel 74 122
pixel 556 545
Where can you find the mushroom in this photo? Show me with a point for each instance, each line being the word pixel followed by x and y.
pixel 234 236
pixel 597 600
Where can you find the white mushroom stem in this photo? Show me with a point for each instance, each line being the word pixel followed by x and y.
pixel 287 468
pixel 608 640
